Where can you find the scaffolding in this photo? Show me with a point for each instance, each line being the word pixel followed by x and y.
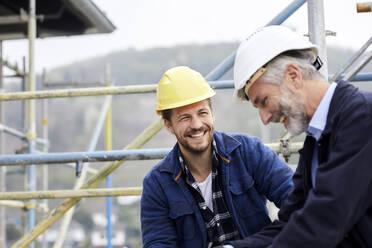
pixel 84 185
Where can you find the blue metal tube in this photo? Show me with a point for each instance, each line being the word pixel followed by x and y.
pixel 286 12
pixel 108 212
pixel 21 135
pixel 228 84
pixel 357 78
pixel 31 120
pixel 228 63
pixel 351 61
pixel 108 145
pixel 97 156
pixel 31 179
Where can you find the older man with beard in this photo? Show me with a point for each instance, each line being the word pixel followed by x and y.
pixel 212 187
pixel 331 204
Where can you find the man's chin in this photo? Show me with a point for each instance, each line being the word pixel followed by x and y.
pixel 295 127
pixel 295 131
pixel 196 149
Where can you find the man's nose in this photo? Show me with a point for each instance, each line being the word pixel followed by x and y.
pixel 265 116
pixel 196 123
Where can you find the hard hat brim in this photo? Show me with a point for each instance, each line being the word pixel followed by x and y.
pixel 185 103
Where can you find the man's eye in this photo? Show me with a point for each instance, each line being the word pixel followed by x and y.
pixel 264 101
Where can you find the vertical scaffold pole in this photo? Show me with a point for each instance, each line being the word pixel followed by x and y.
pixel 3 168
pixel 31 132
pixel 108 136
pixel 24 103
pixel 315 12
pixel 24 127
pixel 45 170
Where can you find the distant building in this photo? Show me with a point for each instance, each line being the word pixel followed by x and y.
pixel 99 239
pixel 128 200
pixel 75 236
pixel 99 232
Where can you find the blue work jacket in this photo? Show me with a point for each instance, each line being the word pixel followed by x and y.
pixel 337 212
pixel 250 172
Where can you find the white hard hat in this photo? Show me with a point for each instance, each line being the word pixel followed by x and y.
pixel 262 46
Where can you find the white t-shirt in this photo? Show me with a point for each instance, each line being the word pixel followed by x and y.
pixel 206 190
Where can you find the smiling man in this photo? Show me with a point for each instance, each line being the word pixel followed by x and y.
pixel 331 204
pixel 212 187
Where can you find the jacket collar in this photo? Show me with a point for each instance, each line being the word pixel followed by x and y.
pixel 225 145
pixel 341 96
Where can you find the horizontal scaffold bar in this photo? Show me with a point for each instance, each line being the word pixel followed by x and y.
pixel 96 156
pixel 24 205
pixel 120 90
pixel 58 194
pixel 99 156
pixel 21 135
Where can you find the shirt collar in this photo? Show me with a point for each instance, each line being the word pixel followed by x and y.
pixel 319 119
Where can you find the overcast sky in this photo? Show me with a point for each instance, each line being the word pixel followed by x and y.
pixel 144 24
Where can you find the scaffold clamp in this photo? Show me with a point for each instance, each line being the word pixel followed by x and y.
pixel 284 147
pixel 78 169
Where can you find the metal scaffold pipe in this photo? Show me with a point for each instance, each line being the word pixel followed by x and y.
pixel 73 84
pixel 108 145
pixel 100 156
pixel 358 66
pixel 45 169
pixel 94 91
pixel 3 169
pixel 351 61
pixel 21 135
pixel 96 156
pixel 60 194
pixel 24 205
pixel 364 7
pixel 14 68
pixel 121 90
pixel 316 28
pixel 31 121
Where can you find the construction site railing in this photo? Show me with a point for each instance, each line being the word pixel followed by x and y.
pixel 24 205
pixel 58 194
pixel 121 90
pixel 100 156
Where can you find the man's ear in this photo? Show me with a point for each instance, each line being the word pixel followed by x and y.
pixel 293 77
pixel 168 125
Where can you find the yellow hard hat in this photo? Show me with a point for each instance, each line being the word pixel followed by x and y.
pixel 181 86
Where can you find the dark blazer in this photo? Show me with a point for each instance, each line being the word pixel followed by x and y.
pixel 337 212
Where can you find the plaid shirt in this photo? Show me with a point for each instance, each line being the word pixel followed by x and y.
pixel 219 223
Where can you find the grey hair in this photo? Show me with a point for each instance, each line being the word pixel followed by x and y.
pixel 304 59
